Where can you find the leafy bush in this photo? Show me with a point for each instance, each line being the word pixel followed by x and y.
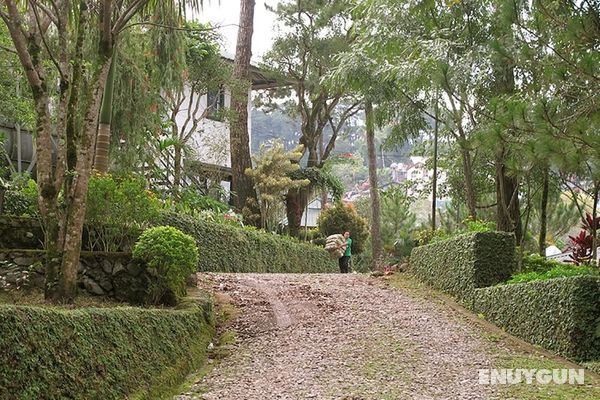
pixel 463 263
pixel 99 354
pixel 469 225
pixel 562 315
pixel 173 255
pixel 226 248
pixel 117 209
pixel 20 199
pixel 475 225
pixel 559 271
pixel 339 219
pixel 192 202
pixel 423 236
pixel 537 263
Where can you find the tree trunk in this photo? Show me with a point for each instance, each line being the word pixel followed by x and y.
pixel 373 188
pixel 508 215
pixel 64 229
pixel 177 161
pixel 103 139
pixel 544 212
pixel 594 224
pixel 435 160
pixel 324 194
pixel 295 203
pixel 2 190
pixel 244 193
pixel 469 189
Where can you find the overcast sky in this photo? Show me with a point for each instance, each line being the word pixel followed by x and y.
pixel 227 13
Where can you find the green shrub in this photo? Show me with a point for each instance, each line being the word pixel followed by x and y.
pixel 562 315
pixel 192 202
pixel 21 198
pixel 99 354
pixel 465 262
pixel 117 208
pixel 424 236
pixel 339 219
pixel 476 225
pixel 226 248
pixel 559 271
pixel 173 255
pixel 537 263
pixel 469 225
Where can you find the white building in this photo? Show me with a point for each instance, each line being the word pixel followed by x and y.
pixel 209 144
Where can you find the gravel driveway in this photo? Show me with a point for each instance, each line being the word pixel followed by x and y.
pixel 332 336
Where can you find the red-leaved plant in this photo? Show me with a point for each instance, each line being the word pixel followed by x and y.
pixel 581 246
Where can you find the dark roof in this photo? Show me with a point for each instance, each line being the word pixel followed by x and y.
pixel 203 168
pixel 261 79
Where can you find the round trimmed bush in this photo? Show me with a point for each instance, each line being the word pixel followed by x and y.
pixel 341 218
pixel 170 256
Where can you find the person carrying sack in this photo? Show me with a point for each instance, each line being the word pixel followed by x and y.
pixel 344 260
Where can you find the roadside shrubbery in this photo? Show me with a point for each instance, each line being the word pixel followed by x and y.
pixel 226 248
pixel 469 225
pixel 170 256
pixel 558 271
pixel 465 262
pixel 559 314
pixel 552 304
pixel 99 354
pixel 117 210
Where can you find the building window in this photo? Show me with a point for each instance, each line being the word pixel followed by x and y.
pixel 215 101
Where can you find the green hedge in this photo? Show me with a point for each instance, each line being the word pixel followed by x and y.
pixel 48 353
pixel 562 314
pixel 224 248
pixel 469 261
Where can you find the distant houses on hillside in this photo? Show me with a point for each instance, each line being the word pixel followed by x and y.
pixel 414 173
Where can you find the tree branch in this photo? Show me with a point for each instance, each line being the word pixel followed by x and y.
pixel 336 128
pixel 52 17
pixel 127 14
pixel 8 49
pixel 14 25
pixel 42 30
pixel 176 28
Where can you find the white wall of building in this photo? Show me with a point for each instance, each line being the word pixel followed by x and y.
pixel 210 143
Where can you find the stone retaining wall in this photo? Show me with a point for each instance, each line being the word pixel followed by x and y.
pixel 20 233
pixel 114 275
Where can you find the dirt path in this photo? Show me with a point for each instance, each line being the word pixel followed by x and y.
pixel 341 337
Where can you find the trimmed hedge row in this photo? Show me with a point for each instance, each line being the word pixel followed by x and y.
pixel 561 314
pixel 101 353
pixel 224 248
pixel 469 261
